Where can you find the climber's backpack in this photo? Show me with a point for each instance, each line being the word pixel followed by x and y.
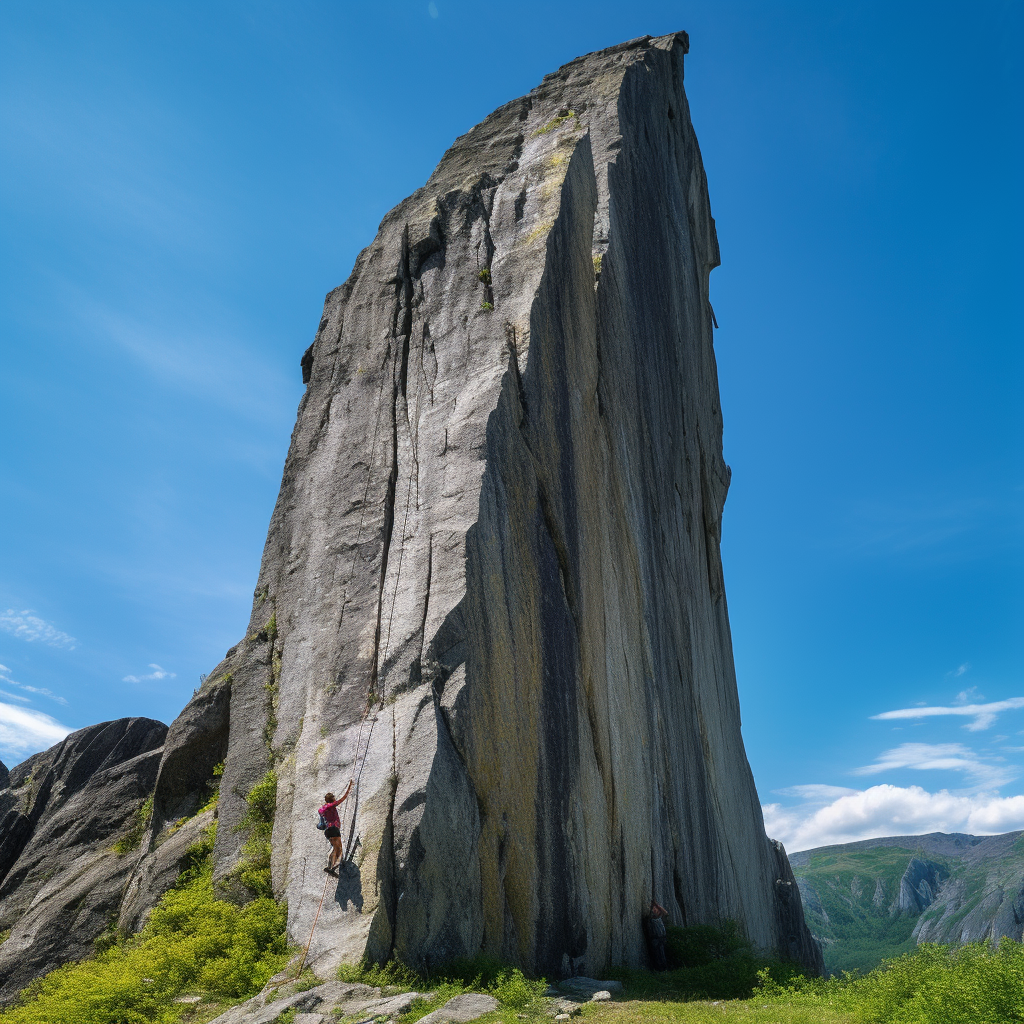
pixel 322 823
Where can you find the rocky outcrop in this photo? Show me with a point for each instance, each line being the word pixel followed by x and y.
pixel 918 886
pixel 62 880
pixel 984 899
pixel 492 591
pixel 972 890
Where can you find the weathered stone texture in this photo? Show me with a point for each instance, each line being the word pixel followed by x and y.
pixel 60 880
pixel 498 531
pixel 491 592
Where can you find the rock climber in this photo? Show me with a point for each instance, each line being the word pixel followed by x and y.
pixel 329 813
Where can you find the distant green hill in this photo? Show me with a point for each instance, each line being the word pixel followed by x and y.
pixel 878 898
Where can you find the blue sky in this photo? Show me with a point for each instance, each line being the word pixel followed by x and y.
pixel 180 185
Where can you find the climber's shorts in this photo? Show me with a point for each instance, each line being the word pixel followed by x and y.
pixel 332 832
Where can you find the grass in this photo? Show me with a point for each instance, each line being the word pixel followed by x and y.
pixel 973 984
pixel 193 943
pixel 519 998
pixel 712 1012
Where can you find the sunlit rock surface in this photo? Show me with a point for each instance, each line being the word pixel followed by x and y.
pixel 498 539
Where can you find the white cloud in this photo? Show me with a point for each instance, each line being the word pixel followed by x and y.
pixel 941 757
pixel 27 700
pixel 961 669
pixel 24 731
pixel 816 793
pixel 969 696
pixel 890 811
pixel 26 626
pixel 157 673
pixel 432 9
pixel 41 690
pixel 984 715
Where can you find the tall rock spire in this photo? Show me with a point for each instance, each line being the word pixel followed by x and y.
pixel 491 591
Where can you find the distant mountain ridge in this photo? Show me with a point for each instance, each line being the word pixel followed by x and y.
pixel 877 898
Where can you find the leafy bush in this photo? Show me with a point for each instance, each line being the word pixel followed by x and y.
pixel 140 822
pixel 481 973
pixel 972 984
pixel 706 962
pixel 191 943
pixel 700 944
pixel 253 870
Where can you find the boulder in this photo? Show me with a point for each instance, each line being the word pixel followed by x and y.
pixel 63 880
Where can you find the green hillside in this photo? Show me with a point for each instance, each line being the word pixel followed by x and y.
pixel 876 899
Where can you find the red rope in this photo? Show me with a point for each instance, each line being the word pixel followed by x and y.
pixel 305 952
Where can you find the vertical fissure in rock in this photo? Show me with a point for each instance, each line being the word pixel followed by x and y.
pixel 513 347
pixel 403 309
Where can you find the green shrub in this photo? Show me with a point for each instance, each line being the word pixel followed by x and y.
pixel 701 943
pixel 487 307
pixel 192 942
pixel 253 870
pixel 133 837
pixel 971 984
pixel 485 275
pixel 707 962
pixel 481 973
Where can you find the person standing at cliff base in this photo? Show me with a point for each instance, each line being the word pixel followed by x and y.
pixel 654 928
pixel 329 813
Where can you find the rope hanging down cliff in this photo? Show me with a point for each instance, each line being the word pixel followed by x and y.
pixel 360 758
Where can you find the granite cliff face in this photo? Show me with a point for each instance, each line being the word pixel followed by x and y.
pixel 497 539
pixel 491 591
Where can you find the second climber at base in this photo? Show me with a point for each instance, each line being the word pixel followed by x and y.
pixel 329 813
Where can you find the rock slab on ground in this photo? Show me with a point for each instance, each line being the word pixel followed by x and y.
pixel 462 1008
pixel 586 988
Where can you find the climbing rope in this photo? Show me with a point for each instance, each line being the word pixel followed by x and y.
pixel 349 844
pixel 305 952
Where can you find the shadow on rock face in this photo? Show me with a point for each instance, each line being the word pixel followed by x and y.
pixel 350 887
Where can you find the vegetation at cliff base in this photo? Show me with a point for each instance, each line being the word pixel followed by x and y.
pixel 253 870
pixel 971 984
pixel 192 943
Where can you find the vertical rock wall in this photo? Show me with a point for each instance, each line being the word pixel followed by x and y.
pixel 491 591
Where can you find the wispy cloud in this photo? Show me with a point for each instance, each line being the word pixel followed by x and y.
pixel 15 696
pixel 942 757
pixel 157 673
pixel 5 678
pixel 890 811
pixel 24 731
pixel 984 715
pixel 26 626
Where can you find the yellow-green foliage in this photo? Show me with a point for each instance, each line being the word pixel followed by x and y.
pixel 213 789
pixel 192 943
pixel 513 990
pixel 258 822
pixel 557 122
pixel 140 822
pixel 972 984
